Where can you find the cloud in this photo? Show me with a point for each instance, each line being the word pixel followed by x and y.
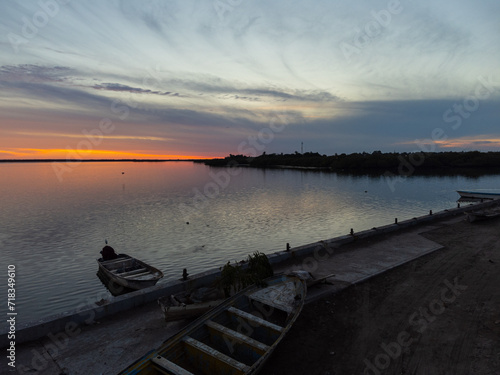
pixel 479 142
pixel 35 73
pixel 216 85
pixel 54 94
pixel 136 90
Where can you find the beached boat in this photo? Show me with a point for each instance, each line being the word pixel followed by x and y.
pixel 189 305
pixel 130 272
pixel 485 214
pixel 477 195
pixel 235 337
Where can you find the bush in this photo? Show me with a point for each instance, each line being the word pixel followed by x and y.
pixel 235 278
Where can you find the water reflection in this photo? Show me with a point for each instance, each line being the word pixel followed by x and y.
pixel 114 288
pixel 53 230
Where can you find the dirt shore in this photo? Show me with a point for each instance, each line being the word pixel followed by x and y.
pixel 439 314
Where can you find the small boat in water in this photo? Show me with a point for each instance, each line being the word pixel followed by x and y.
pixel 235 337
pixel 129 272
pixel 473 196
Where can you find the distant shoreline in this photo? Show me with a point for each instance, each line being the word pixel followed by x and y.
pixel 376 163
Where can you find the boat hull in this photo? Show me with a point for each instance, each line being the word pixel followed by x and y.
pixel 236 337
pixel 130 272
pixel 477 195
pixel 481 215
pixel 186 311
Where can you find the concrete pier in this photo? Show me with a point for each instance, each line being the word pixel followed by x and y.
pixel 105 339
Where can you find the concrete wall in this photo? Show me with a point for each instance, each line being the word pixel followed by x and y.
pixel 71 319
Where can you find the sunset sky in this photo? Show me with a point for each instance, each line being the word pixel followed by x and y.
pixel 206 78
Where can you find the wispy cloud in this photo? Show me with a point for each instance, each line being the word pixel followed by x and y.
pixel 82 136
pixel 480 142
pixel 35 73
pixel 135 90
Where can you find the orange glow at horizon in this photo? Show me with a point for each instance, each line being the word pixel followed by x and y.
pixel 461 143
pixel 68 154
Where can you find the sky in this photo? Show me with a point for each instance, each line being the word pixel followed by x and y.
pixel 209 78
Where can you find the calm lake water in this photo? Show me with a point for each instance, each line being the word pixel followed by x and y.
pixel 52 227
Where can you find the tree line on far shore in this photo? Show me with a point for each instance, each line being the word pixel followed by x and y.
pixel 367 162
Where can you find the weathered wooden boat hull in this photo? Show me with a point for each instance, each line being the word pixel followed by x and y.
pixel 190 304
pixel 130 272
pixel 235 337
pixel 114 288
pixel 477 195
pixel 482 215
pixel 187 311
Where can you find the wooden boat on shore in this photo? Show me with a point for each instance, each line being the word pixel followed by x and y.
pixel 189 305
pixel 477 195
pixel 480 215
pixel 130 272
pixel 235 337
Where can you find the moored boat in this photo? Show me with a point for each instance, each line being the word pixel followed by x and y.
pixel 129 272
pixel 235 337
pixel 473 216
pixel 477 195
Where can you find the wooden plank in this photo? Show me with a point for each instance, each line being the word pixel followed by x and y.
pixel 116 260
pixel 218 358
pixel 140 274
pixel 169 366
pixel 254 319
pixel 239 337
pixel 129 273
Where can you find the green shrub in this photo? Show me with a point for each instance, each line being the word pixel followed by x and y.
pixel 234 278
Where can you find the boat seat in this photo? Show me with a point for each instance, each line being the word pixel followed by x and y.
pixel 133 272
pixel 257 346
pixel 115 260
pixel 140 274
pixel 210 354
pixel 255 320
pixel 169 366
